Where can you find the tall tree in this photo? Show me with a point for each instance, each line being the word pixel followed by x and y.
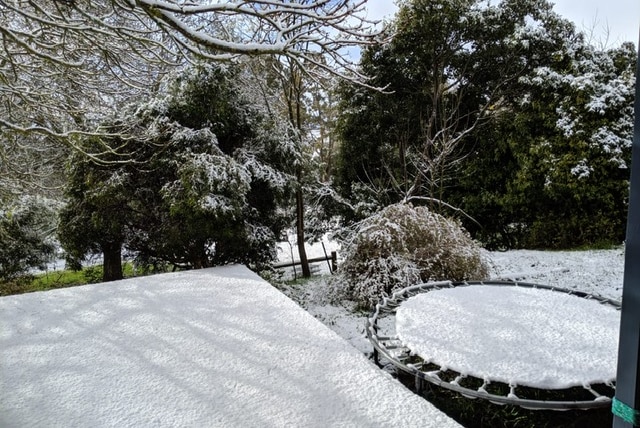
pixel 569 141
pixel 286 91
pixel 550 170
pixel 206 183
pixel 450 65
pixel 97 213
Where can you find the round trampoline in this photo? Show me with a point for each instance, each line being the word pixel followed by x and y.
pixel 530 345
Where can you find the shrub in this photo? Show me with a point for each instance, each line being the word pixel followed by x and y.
pixel 23 241
pixel 404 245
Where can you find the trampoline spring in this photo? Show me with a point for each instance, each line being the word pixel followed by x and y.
pixel 457 380
pixel 596 394
pixel 434 374
pixel 391 346
pixel 385 338
pixel 414 366
pixel 512 392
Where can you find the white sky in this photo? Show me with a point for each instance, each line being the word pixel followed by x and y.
pixel 620 17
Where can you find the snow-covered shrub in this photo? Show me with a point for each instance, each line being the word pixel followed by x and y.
pixel 404 245
pixel 24 237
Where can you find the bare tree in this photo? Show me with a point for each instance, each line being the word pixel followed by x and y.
pixel 63 63
pixel 30 165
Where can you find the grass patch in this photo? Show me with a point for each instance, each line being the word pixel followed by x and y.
pixel 42 282
pixel 60 279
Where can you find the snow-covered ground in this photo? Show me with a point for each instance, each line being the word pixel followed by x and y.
pixel 210 348
pixel 220 347
pixel 597 272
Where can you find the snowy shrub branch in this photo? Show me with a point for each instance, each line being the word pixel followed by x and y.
pixel 401 246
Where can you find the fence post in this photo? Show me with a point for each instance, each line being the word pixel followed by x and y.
pixel 626 403
pixel 334 261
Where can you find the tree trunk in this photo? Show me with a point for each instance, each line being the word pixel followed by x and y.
pixel 112 262
pixel 304 262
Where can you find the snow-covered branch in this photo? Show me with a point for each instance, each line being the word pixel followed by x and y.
pixel 65 65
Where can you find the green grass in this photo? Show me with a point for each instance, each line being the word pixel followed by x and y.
pixel 59 279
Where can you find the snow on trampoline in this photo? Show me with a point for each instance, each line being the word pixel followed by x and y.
pixel 208 348
pixel 516 335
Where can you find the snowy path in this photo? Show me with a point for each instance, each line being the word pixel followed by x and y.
pixel 211 348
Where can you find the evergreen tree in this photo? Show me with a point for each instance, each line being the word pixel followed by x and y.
pixel 206 185
pixel 502 111
pixel 564 147
pixel 24 237
pixel 450 66
pixel 95 218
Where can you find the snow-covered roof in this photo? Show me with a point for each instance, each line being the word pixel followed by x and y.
pixel 213 348
pixel 516 335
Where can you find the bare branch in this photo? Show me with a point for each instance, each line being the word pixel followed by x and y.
pixel 66 65
pixel 441 202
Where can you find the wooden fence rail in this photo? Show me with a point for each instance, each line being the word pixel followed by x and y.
pixel 333 258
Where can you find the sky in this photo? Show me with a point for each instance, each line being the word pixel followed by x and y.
pixel 620 17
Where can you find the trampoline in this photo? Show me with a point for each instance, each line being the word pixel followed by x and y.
pixel 518 343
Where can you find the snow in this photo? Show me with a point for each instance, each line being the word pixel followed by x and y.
pixel 516 335
pixel 217 347
pixel 595 272
pixel 220 347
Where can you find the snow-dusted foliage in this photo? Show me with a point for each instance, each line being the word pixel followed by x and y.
pixel 98 54
pixel 594 104
pixel 572 139
pixel 25 236
pixel 205 187
pixel 404 245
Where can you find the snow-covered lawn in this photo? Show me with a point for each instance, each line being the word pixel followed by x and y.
pixel 598 272
pixel 221 347
pixel 210 348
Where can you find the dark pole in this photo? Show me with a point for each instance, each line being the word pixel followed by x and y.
pixel 626 404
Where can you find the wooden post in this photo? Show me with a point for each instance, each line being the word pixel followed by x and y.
pixel 334 261
pixel 626 403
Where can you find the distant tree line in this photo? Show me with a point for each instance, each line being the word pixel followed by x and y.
pixel 504 112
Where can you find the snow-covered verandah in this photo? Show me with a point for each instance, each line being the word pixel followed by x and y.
pixel 215 347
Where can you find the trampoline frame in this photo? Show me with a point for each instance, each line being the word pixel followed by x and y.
pixel 392 349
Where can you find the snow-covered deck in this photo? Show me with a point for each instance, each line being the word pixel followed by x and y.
pixel 211 348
